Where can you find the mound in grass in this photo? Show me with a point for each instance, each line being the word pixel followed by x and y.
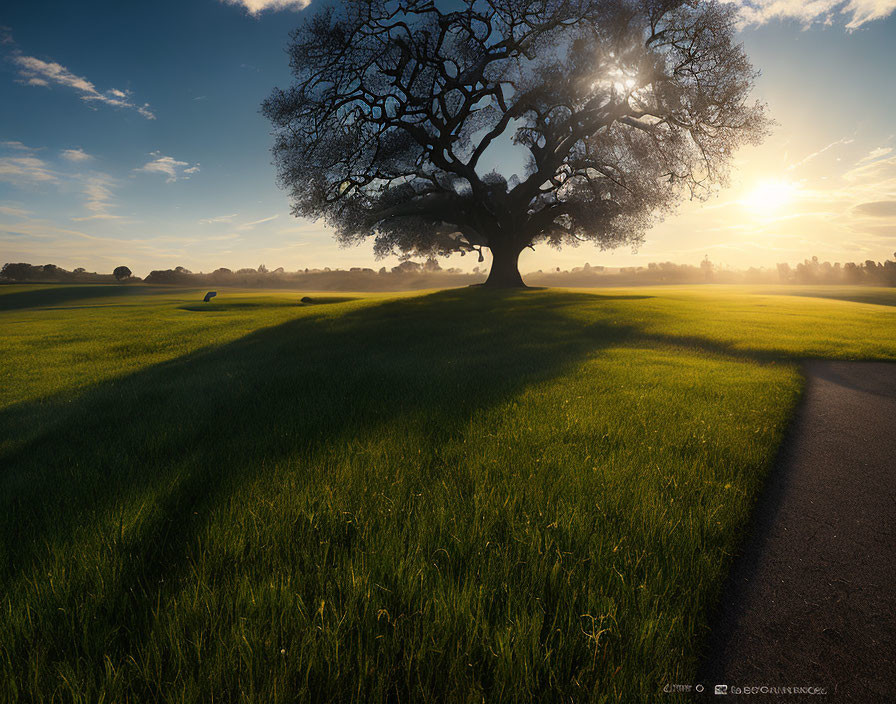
pixel 318 300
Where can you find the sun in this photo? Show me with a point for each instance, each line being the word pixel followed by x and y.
pixel 769 196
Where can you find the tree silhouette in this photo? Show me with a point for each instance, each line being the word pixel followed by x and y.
pixel 121 273
pixel 619 107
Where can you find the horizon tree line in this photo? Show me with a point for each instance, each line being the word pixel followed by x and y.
pixel 809 271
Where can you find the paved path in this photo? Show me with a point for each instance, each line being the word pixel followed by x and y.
pixel 812 599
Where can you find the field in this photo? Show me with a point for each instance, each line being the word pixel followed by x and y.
pixel 454 496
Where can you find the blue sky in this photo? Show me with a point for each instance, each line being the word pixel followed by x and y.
pixel 130 134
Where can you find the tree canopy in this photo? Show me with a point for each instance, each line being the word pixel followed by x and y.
pixel 620 106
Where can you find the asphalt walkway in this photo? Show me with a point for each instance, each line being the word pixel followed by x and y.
pixel 811 601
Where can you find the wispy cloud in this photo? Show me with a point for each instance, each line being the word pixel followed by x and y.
pixel 98 190
pixel 75 155
pixel 821 151
pixel 169 166
pixel 99 197
pixel 33 71
pixel 37 72
pixel 33 239
pixel 256 7
pixel 18 146
pixel 217 219
pixel 808 12
pixel 22 167
pixel 250 225
pixel 875 154
pixel 877 209
pixel 866 171
pixel 863 11
pixel 14 211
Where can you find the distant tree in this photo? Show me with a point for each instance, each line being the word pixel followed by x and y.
pixel 889 272
pixel 178 275
pixel 121 273
pixel 784 272
pixel 621 107
pixel 19 271
pixel 407 267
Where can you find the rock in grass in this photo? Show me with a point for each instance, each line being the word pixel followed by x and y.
pixel 209 296
pixel 307 299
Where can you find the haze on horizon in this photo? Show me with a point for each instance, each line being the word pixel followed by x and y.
pixel 132 135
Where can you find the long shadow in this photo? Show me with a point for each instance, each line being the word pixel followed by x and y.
pixel 187 434
pixel 881 297
pixel 56 295
pixel 723 615
pixel 876 379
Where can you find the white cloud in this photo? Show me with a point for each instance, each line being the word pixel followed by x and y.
pixel 868 10
pixel 37 72
pixel 256 7
pixel 808 12
pixel 170 167
pixel 25 170
pixel 75 155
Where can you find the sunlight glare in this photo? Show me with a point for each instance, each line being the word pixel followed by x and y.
pixel 768 196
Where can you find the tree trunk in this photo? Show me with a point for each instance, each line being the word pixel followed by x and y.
pixel 505 271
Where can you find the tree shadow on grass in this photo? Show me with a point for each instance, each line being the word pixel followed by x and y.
pixel 879 296
pixel 40 297
pixel 184 436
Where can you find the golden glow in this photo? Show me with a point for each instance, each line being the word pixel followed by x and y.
pixel 768 196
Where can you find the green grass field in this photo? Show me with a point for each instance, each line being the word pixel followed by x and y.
pixel 456 496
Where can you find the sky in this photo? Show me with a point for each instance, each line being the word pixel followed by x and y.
pixel 131 133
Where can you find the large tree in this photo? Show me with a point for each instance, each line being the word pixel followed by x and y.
pixel 620 106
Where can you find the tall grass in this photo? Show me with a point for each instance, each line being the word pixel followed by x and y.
pixel 462 496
